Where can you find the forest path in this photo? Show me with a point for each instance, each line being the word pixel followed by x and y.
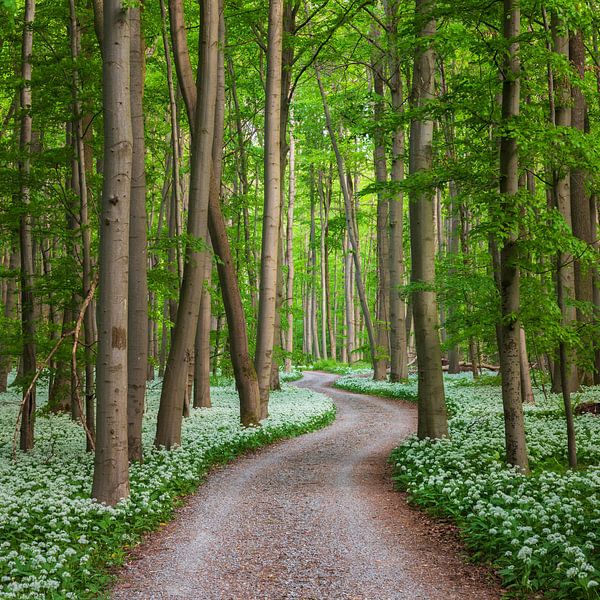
pixel 315 517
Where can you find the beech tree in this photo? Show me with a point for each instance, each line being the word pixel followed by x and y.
pixel 433 420
pixel 111 469
pixel 265 335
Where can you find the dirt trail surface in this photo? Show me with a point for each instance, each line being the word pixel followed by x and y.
pixel 310 518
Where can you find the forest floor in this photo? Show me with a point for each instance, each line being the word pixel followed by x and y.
pixel 314 517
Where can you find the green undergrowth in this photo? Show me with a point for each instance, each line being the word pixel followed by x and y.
pixel 540 532
pixel 406 390
pixel 57 543
pixel 338 368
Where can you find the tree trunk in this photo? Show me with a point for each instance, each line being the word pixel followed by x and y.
pixel 581 217
pixel 348 303
pixel 272 207
pixel 514 426
pixel 526 389
pixel 137 328
pixel 202 346
pixel 10 304
pixel 289 259
pixel 168 432
pixel 432 421
pixel 383 205
pixel 350 223
pixel 28 360
pixel 562 200
pixel 111 477
pixel 398 341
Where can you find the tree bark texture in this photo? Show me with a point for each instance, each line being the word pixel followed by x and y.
pixel 137 328
pixel 170 413
pixel 514 425
pixel 432 417
pixel 398 341
pixel 272 207
pixel 111 475
pixel 28 359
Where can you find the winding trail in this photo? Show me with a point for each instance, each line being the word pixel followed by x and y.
pixel 310 518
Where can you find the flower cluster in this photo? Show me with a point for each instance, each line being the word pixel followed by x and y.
pixel 539 530
pixel 55 542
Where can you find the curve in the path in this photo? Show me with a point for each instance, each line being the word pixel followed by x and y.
pixel 310 518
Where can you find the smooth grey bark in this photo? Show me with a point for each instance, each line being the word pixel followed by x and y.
pixel 137 328
pixel 514 425
pixel 432 417
pixel 111 466
pixel 28 359
pixel 202 346
pixel 289 258
pixel 581 217
pixel 168 433
pixel 382 300
pixel 398 341
pixel 562 201
pixel 243 368
pixel 272 207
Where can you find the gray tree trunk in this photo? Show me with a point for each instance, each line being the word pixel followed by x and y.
pixel 111 475
pixel 28 360
pixel 398 341
pixel 350 223
pixel 137 328
pixel 272 208
pixel 289 259
pixel 382 322
pixel 514 426
pixel 432 420
pixel 168 432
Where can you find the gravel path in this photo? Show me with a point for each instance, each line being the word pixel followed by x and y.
pixel 310 518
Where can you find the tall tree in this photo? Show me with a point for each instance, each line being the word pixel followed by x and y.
pixel 272 206
pixel 433 421
pixel 28 361
pixel 111 467
pixel 383 207
pixel 514 426
pixel 137 328
pixel 168 432
pixel 398 342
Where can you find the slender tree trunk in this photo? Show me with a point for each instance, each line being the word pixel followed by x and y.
pixel 137 328
pixel 272 207
pixel 514 426
pixel 398 341
pixel 432 420
pixel 202 346
pixel 111 477
pixel 168 432
pixel 581 217
pixel 10 305
pixel 562 200
pixel 526 389
pixel 323 220
pixel 383 206
pixel 289 259
pixel 348 303
pixel 28 360
pixel 350 224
